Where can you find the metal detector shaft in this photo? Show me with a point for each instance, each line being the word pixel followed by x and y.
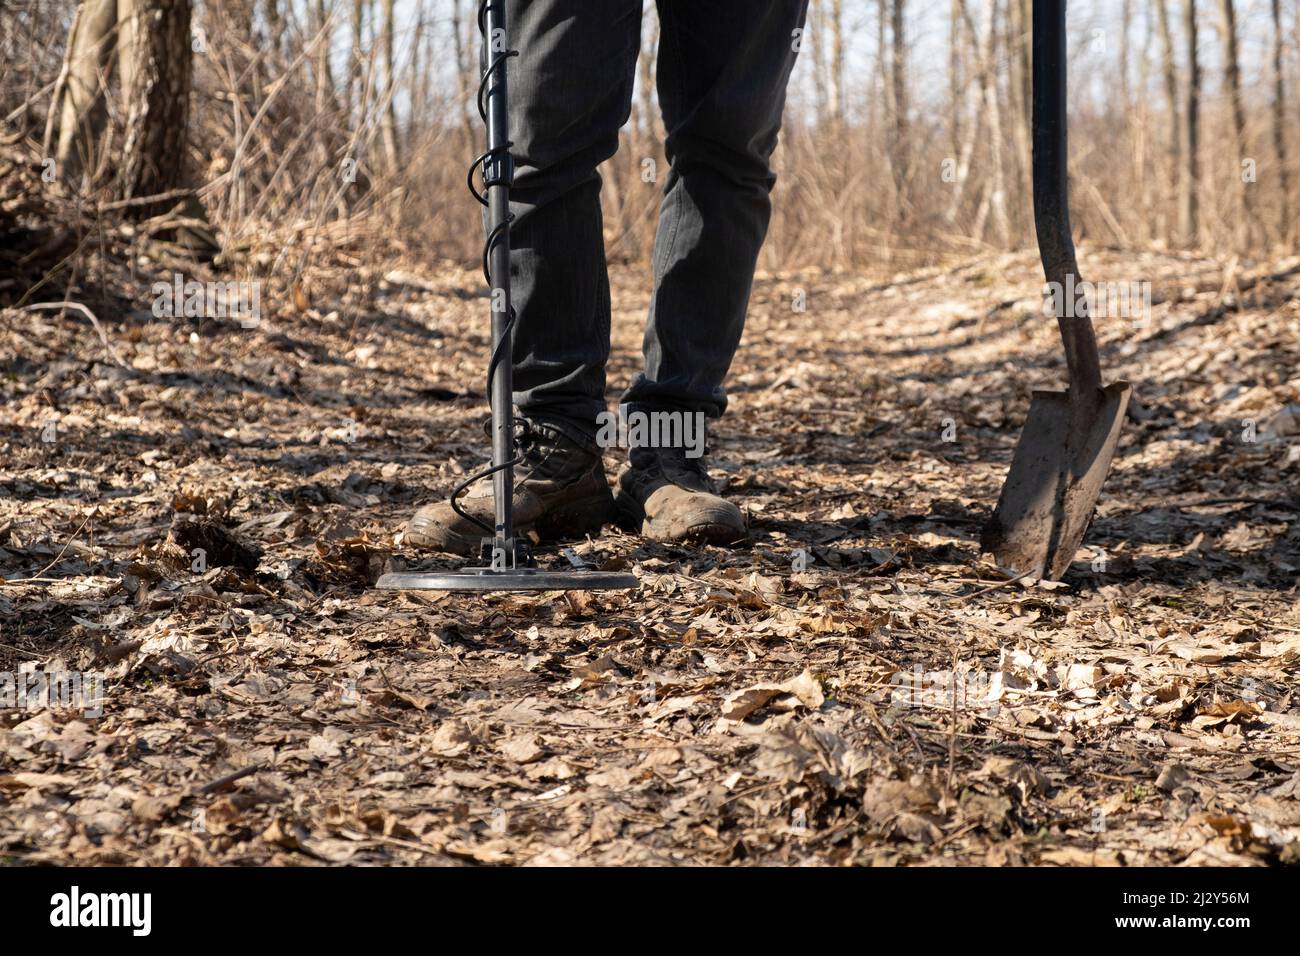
pixel 498 178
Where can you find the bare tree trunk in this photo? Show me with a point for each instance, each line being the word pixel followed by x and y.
pixel 649 115
pixel 1127 122
pixel 149 42
pixel 835 89
pixel 997 193
pixel 1021 96
pixel 974 112
pixel 420 85
pixel 1026 73
pixel 815 38
pixel 430 58
pixel 647 134
pixel 1142 137
pixel 898 70
pixel 1125 25
pixel 325 97
pixel 388 123
pixel 1189 221
pixel 1173 103
pixel 60 85
pixel 956 76
pixel 464 68
pixel 84 111
pixel 154 50
pixel 884 91
pixel 1279 126
pixel 274 25
pixel 1232 80
pixel 356 83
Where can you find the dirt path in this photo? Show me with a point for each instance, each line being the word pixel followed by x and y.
pixel 791 701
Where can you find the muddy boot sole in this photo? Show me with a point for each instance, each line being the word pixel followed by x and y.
pixel 632 517
pixel 436 531
pixel 425 533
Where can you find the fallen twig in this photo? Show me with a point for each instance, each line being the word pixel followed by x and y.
pixel 997 587
pixel 57 558
pixel 229 778
pixel 77 306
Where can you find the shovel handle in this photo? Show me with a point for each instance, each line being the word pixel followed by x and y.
pixel 1052 195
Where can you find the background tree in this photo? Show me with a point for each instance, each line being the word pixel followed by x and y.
pixel 906 141
pixel 1232 83
pixel 1189 208
pixel 147 44
pixel 388 122
pixel 1279 125
pixel 154 55
pixel 80 94
pixel 1173 103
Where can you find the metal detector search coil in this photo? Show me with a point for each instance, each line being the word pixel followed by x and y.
pixel 517 579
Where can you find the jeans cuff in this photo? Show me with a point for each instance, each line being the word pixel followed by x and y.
pixel 576 430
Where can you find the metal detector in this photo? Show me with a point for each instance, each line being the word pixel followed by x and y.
pixel 507 564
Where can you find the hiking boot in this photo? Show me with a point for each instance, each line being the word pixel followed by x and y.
pixel 669 497
pixel 560 492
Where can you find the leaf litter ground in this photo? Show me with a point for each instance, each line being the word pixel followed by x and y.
pixel 857 685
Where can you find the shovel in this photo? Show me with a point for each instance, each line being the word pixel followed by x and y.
pixel 1069 439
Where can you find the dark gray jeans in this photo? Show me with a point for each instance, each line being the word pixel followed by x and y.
pixel 722 72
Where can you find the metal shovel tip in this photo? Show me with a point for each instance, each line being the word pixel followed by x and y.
pixel 515 579
pixel 1053 486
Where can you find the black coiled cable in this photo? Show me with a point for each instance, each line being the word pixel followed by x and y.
pixel 499 162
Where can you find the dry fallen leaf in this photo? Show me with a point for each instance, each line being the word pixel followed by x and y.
pixel 522 749
pixel 452 738
pixel 804 690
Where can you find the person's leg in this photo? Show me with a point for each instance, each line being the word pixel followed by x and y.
pixel 722 75
pixel 570 93
pixel 723 70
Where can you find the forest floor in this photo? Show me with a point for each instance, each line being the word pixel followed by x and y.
pixel 856 685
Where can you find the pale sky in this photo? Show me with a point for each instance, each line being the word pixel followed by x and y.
pixel 1094 44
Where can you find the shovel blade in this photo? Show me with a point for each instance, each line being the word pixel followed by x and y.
pixel 1053 486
